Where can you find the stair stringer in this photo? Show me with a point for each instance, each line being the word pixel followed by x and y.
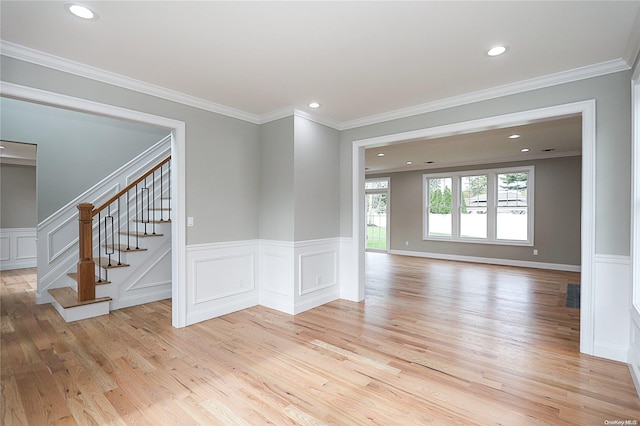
pixel 147 279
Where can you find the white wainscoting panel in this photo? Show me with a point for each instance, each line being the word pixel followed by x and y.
pixel 5 246
pixel 348 269
pixel 277 275
pixel 612 304
pixel 633 357
pixel 18 248
pixel 317 272
pixel 221 278
pixel 298 276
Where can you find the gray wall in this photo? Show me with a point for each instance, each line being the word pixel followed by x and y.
pixel 556 218
pixel 317 180
pixel 222 153
pixel 223 163
pixel 17 196
pixel 72 145
pixel 276 180
pixel 613 146
pixel 299 180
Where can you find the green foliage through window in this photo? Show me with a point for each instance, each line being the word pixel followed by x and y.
pixel 439 200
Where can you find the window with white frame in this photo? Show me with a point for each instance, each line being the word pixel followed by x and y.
pixel 483 206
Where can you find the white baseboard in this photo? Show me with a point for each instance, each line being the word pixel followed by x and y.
pixel 489 260
pixel 609 351
pixel 18 248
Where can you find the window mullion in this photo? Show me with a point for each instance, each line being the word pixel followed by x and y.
pixel 455 206
pixel 492 197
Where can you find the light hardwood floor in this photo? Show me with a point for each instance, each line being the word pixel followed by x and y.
pixel 434 342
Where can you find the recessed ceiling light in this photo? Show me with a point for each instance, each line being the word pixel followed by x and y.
pixel 1 147
pixel 314 105
pixel 409 163
pixel 514 136
pixel 81 11
pixel 524 150
pixel 381 154
pixel 497 50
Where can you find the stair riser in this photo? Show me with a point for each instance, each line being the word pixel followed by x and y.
pixel 160 215
pixel 132 257
pixel 148 228
pixel 121 237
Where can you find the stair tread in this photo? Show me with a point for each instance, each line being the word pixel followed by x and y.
pixel 68 298
pixel 104 262
pixel 141 234
pixel 124 248
pixel 74 276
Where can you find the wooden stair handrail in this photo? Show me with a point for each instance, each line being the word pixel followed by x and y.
pixel 128 187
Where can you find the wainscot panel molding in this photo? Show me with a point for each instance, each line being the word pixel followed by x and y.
pixel 277 282
pixel 221 278
pixel 317 270
pixel 298 276
pixel 489 260
pixel 18 248
pixel 612 293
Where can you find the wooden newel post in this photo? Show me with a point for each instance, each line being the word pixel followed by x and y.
pixel 86 265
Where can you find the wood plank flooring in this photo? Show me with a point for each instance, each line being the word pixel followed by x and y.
pixel 434 342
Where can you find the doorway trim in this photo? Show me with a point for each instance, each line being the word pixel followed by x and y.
pixel 587 109
pixel 177 128
pixel 387 192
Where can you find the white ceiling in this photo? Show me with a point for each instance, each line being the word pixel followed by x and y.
pixel 545 139
pixel 358 59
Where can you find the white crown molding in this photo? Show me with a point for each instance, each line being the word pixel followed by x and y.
pixel 277 115
pixel 324 121
pixel 36 57
pixel 33 56
pixel 569 76
pixel 293 111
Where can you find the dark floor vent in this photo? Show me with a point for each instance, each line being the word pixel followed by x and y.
pixel 573 296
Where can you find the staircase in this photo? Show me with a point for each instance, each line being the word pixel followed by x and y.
pixel 133 227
